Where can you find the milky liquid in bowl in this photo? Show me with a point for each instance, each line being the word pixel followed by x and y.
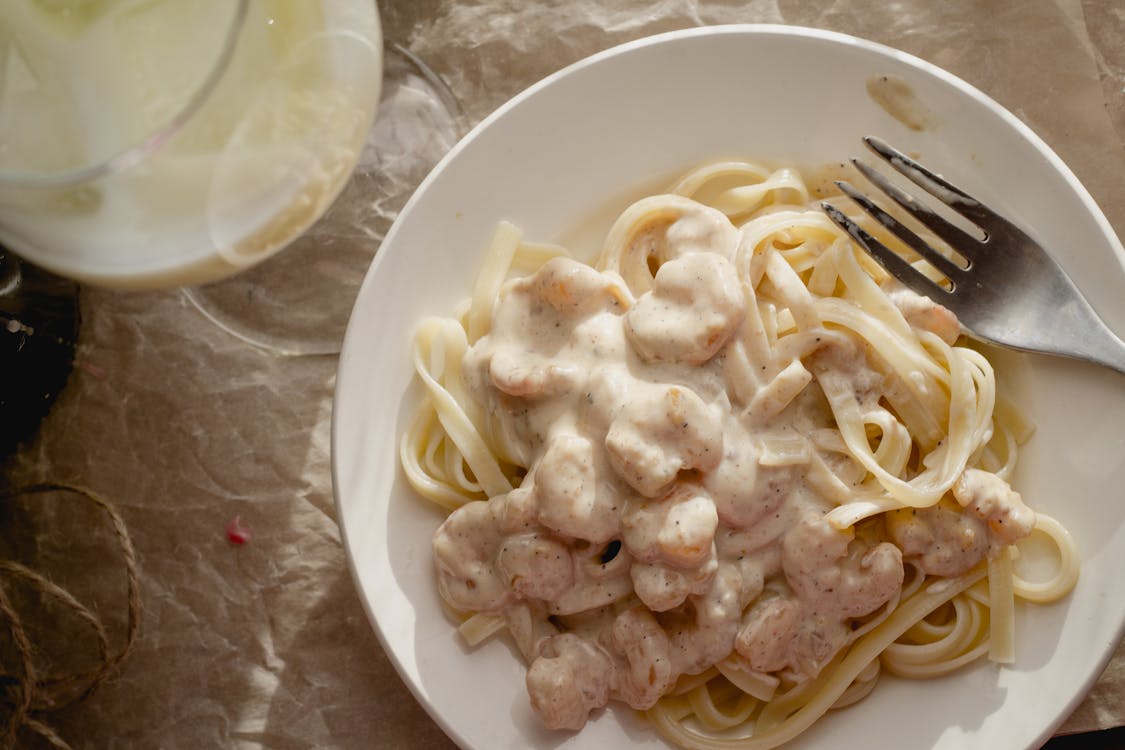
pixel 160 142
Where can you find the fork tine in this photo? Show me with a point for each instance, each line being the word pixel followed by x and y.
pixel 958 239
pixel 892 262
pixel 903 232
pixel 934 184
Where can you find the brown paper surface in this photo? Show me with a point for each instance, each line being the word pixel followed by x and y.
pixel 184 426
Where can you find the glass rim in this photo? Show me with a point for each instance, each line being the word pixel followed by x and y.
pixel 153 141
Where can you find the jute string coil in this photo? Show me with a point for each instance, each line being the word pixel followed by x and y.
pixel 29 697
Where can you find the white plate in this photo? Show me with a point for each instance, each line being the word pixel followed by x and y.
pixel 578 145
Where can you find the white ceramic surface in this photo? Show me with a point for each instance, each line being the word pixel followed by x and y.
pixel 578 145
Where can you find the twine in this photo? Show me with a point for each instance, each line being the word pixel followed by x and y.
pixel 28 696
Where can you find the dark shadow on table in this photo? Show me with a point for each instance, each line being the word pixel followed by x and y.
pixel 1109 739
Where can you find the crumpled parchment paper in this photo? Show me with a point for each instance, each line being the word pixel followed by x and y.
pixel 184 427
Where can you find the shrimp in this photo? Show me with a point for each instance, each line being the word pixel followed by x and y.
pixel 535 566
pixel 744 492
pixel 575 289
pixel 465 548
pixel 783 633
pixel 660 433
pixel 940 540
pixel 569 678
pixel 704 633
pixel 648 672
pixel 994 501
pixel 702 229
pixel 525 374
pixel 661 587
pixel 570 498
pixel 818 638
pixel 767 633
pixel 694 307
pixel 534 320
pixel 678 529
pixel 836 574
pixel 515 511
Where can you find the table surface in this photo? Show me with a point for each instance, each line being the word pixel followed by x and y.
pixel 184 427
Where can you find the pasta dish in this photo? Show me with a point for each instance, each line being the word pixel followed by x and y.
pixel 728 474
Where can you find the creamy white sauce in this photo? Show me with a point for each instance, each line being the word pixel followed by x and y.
pixel 662 525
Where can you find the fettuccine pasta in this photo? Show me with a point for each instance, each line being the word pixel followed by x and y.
pixel 728 474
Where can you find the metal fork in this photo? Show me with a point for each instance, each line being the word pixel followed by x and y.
pixel 1010 292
